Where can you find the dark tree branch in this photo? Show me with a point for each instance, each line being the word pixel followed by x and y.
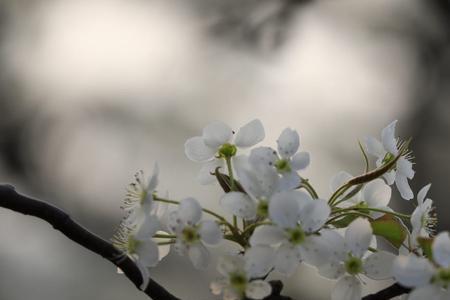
pixel 61 221
pixel 388 293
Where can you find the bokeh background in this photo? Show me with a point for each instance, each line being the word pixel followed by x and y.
pixel 93 90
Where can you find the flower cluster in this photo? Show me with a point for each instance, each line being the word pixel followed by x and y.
pixel 278 221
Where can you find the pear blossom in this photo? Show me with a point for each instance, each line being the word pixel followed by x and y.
pixel 348 261
pixel 139 202
pixel 429 280
pixel 423 219
pixel 297 217
pixel 385 151
pixel 137 243
pixel 237 282
pixel 193 233
pixel 217 143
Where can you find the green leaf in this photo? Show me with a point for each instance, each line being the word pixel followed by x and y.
pixel 344 221
pixel 425 244
pixel 390 228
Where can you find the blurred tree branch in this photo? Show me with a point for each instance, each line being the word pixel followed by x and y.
pixel 388 293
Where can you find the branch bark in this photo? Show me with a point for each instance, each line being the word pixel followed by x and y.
pixel 61 221
pixel 388 293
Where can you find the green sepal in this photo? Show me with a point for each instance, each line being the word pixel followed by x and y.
pixel 225 183
pixel 425 244
pixel 390 228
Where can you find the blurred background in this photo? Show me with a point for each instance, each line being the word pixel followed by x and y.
pixel 93 90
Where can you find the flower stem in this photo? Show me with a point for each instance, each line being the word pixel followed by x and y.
pixel 164 236
pixel 309 188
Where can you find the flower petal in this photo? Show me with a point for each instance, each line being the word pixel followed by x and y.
pixel 267 235
pixel 347 288
pixel 288 143
pixel 404 167
pixel 314 250
pixel 189 211
pixel 377 193
pixel 441 249
pixel 228 264
pixel 300 161
pixel 204 176
pixel 239 204
pixel 374 147
pixel 250 134
pixel 148 228
pixel 378 265
pixel 423 193
pixel 289 181
pixel 314 215
pixel 339 179
pixel 287 259
pixel 259 260
pixel 199 256
pixel 217 286
pixel 258 289
pixel 331 270
pixel 430 292
pixel 284 209
pixel 388 138
pixel 210 232
pixel 403 186
pixel 412 271
pixel 262 156
pixel 196 149
pixel 216 134
pixel 358 237
pixel 148 253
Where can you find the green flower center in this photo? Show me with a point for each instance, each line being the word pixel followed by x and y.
pixel 227 150
pixel 263 209
pixel 296 236
pixel 238 282
pixel 132 244
pixel 283 166
pixel 190 235
pixel 387 158
pixel 353 265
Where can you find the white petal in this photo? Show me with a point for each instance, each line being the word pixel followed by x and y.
pixel 250 134
pixel 259 260
pixel 153 181
pixel 347 288
pixel 430 292
pixel 199 256
pixel 258 289
pixel 332 270
pixel 404 167
pixel 423 193
pixel 204 176
pixel 412 271
pixel 267 235
pixel 335 243
pixel 377 193
pixel 216 134
pixel 228 264
pixel 284 209
pixel 300 161
pixel 314 250
pixel 339 179
pixel 388 138
pixel 314 215
pixel 390 177
pixel 239 204
pixel 289 181
pixel 263 156
pixel 374 147
pixel 189 211
pixel 358 237
pixel 196 149
pixel 378 265
pixel 148 253
pixel 148 228
pixel 287 259
pixel 441 249
pixel 145 275
pixel 259 182
pixel 288 143
pixel 217 286
pixel 210 232
pixel 403 186
pixel 231 294
pixel 163 250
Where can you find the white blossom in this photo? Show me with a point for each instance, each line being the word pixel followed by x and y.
pixel 237 281
pixel 429 280
pixel 423 219
pixel 385 151
pixel 348 260
pixel 193 233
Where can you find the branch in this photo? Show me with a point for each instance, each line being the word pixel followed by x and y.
pixel 388 293
pixel 61 221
